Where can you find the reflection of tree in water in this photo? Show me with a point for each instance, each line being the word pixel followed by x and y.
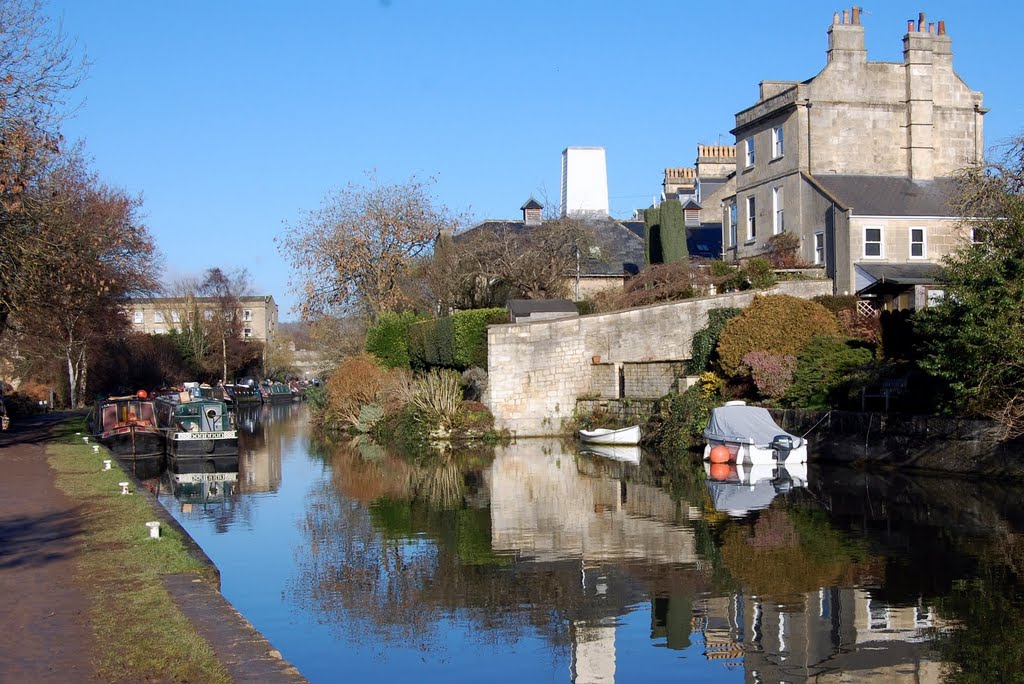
pixel 394 548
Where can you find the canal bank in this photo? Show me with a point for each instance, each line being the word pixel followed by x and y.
pixel 872 438
pixel 49 623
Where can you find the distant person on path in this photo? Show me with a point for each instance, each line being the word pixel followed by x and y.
pixel 5 422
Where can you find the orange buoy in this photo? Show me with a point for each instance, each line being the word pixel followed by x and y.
pixel 720 454
pixel 141 394
pixel 721 471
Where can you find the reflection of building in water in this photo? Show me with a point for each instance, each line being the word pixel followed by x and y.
pixel 259 455
pixel 593 651
pixel 543 507
pixel 837 635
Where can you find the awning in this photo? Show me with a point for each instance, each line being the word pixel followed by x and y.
pixel 890 278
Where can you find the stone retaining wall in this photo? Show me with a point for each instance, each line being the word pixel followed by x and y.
pixel 536 371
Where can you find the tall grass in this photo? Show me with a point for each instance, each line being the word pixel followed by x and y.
pixel 438 397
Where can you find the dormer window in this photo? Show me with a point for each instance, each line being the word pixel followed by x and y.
pixel 532 212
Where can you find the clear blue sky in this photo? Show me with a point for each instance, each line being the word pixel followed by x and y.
pixel 232 118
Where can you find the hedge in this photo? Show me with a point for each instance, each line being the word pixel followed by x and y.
pixel 456 341
pixel 702 348
pixel 387 339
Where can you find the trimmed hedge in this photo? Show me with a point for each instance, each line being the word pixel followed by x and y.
pixel 779 324
pixel 456 341
pixel 387 339
pixel 823 369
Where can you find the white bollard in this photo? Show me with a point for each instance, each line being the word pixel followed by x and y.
pixel 95 449
pixel 106 464
pixel 154 529
pixel 85 439
pixel 124 487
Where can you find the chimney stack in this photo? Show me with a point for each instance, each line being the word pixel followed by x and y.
pixel 846 38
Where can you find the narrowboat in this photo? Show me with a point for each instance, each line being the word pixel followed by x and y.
pixel 198 427
pixel 275 392
pixel 127 426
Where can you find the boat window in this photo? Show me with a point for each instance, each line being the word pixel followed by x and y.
pixel 109 416
pixel 146 412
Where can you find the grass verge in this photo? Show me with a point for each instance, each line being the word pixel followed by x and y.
pixel 144 636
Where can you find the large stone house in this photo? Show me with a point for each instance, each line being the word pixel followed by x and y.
pixel 858 162
pixel 159 315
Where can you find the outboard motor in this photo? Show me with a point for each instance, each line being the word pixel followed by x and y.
pixel 781 480
pixel 782 445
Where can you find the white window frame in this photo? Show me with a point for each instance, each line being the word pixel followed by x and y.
pixel 158 331
pixel 751 218
pixel 923 243
pixel 139 317
pixel 778 217
pixel 158 316
pixel 734 224
pixel 880 242
pixel 778 142
pixel 246 314
pixel 819 247
pixel 207 314
pixel 175 317
pixel 748 152
pixel 246 333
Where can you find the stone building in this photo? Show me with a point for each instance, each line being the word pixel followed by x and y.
pixel 159 315
pixel 857 162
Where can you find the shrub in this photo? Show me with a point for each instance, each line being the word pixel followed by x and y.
pixel 659 283
pixel 678 420
pixel 837 303
pixel 772 373
pixel 783 250
pixel 779 324
pixel 387 339
pixel 469 335
pixel 474 383
pixel 356 382
pixel 438 398
pixel 824 366
pixel 758 271
pixel 705 340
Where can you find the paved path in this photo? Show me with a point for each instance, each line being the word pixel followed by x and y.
pixel 45 634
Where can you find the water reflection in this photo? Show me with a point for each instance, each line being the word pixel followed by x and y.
pixel 611 568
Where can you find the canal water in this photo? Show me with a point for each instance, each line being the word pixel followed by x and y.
pixel 538 563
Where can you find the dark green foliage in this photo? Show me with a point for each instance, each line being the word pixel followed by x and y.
pixel 387 338
pixel 470 335
pixel 824 369
pixel 666 233
pixel 702 353
pixel 898 338
pixel 456 341
pixel 678 420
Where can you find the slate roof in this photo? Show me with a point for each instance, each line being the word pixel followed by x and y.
pixel 891 195
pixel 621 246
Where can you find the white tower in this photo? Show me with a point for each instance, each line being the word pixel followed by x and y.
pixel 584 181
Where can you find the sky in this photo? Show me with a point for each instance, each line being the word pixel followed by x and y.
pixel 233 119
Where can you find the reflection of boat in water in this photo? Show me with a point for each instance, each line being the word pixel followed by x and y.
pixel 630 453
pixel 199 480
pixel 737 489
pixel 628 435
pixel 748 434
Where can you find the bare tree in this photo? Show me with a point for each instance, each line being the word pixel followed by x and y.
pixel 87 252
pixel 354 252
pixel 38 67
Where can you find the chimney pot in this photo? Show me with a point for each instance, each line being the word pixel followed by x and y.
pixel 856 16
pixel 921 22
pixel 846 17
pixel 835 17
pixel 910 25
pixel 942 27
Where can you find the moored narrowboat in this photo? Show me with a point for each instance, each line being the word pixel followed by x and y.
pixel 127 426
pixel 196 426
